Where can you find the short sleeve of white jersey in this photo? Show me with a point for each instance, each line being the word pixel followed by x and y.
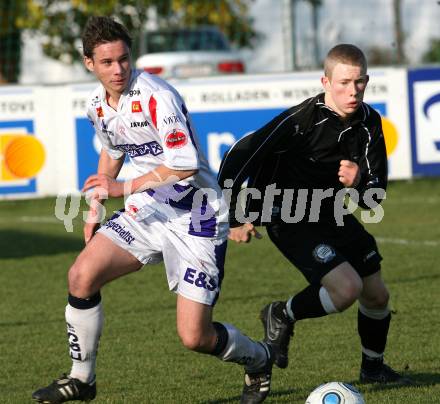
pixel 170 115
pixel 103 138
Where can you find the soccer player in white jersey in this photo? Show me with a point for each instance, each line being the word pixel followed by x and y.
pixel 174 211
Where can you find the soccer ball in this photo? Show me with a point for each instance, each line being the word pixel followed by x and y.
pixel 335 393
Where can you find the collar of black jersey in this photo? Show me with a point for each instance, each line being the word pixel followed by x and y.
pixel 359 116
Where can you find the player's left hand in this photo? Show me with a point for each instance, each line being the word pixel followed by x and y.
pixel 243 233
pixel 104 182
pixel 349 173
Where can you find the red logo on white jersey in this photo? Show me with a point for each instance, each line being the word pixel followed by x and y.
pixel 132 210
pixel 176 139
pixel 100 112
pixel 136 106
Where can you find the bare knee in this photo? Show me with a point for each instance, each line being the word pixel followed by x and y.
pixel 197 340
pixel 81 283
pixel 377 300
pixel 344 285
pixel 192 342
pixel 344 296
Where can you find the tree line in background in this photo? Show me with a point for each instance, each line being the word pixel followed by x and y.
pixel 60 23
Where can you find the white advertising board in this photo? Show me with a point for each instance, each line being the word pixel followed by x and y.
pixel 24 148
pixel 226 109
pixel 223 109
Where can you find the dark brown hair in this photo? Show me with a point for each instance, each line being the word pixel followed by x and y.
pixel 346 54
pixel 99 30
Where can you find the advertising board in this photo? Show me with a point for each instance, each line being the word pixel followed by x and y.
pixel 424 112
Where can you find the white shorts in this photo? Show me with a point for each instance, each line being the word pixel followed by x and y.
pixel 194 265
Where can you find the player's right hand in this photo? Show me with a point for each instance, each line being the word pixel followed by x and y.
pixel 89 231
pixel 243 233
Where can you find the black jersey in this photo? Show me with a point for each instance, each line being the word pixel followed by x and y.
pixel 301 149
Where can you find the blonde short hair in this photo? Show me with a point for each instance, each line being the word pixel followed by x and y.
pixel 346 54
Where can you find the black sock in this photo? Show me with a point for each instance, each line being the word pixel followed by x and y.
pixel 373 332
pixel 222 338
pixel 371 364
pixel 84 304
pixel 307 304
pixel 280 312
pixel 373 335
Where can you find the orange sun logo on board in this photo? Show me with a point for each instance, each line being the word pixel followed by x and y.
pixel 100 112
pixel 136 106
pixel 23 156
pixel 390 134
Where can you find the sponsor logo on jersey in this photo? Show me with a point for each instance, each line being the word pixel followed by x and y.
pixel 120 230
pixel 104 129
pixel 371 254
pixel 199 279
pixel 137 150
pixel 100 112
pixel 134 92
pixel 169 120
pixel 121 130
pixel 142 124
pixel 96 101
pixel 132 210
pixel 136 106
pixel 324 253
pixel 176 139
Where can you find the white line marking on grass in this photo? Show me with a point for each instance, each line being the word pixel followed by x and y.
pixel 404 241
pixel 30 219
pixel 39 219
pixel 415 200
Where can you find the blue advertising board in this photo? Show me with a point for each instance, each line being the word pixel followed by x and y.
pixel 217 132
pixel 211 128
pixel 424 112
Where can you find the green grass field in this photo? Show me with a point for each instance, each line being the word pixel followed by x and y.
pixel 141 359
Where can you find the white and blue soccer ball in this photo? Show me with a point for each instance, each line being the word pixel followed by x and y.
pixel 335 393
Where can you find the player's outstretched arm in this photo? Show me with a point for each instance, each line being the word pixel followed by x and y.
pixel 161 175
pixel 244 233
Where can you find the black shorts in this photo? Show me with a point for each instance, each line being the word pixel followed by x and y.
pixel 316 248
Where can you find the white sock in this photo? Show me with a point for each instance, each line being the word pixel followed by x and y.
pixel 326 301
pixel 289 311
pixel 375 314
pixel 84 330
pixel 372 354
pixel 241 349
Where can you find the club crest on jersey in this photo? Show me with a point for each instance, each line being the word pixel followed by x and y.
pixel 136 106
pixel 176 139
pixel 100 112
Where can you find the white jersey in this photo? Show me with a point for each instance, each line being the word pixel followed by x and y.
pixel 152 127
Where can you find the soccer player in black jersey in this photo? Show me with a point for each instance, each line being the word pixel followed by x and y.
pixel 317 150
